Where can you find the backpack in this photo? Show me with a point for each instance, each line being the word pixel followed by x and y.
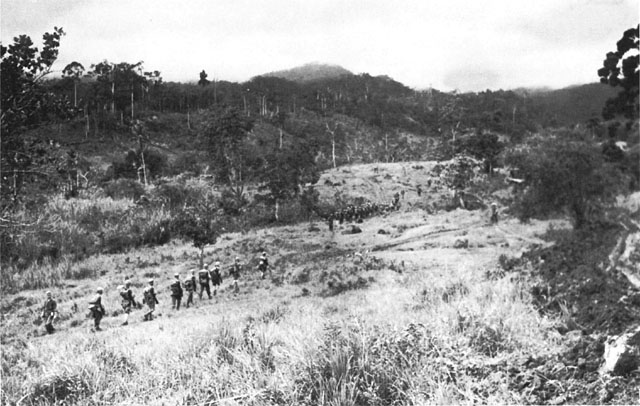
pixel 176 289
pixel 203 276
pixel 216 278
pixel 148 295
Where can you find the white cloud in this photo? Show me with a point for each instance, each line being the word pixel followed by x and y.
pixel 458 43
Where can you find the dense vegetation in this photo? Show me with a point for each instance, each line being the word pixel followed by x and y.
pixel 260 144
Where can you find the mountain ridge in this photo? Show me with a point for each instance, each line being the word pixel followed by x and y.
pixel 310 72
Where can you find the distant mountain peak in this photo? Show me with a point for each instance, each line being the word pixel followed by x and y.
pixel 310 72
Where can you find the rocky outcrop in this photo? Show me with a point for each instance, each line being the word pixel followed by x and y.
pixel 622 353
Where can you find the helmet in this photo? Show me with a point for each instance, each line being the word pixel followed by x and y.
pixel 99 290
pixel 151 281
pixel 127 283
pixel 217 263
pixel 264 253
pixel 48 293
pixel 177 275
pixel 237 258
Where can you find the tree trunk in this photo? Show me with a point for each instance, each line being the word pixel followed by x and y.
pixel 87 129
pixel 579 215
pixel 144 168
pixel 386 146
pixel 333 151
pixel 75 94
pixel 201 257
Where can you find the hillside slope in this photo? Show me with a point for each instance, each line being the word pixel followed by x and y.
pixel 415 298
pixel 310 72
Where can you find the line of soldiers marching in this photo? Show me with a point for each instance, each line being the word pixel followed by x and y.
pixel 358 213
pixel 205 278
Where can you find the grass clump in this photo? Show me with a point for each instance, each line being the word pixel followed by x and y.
pixel 61 388
pixel 357 367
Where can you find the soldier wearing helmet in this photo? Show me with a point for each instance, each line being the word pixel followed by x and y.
pixel 216 277
pixel 97 310
pixel 204 277
pixel 263 265
pixel 190 287
pixel 150 300
pixel 494 213
pixel 176 292
pixel 128 301
pixel 49 313
pixel 235 270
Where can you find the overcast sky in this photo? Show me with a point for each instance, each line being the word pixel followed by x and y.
pixel 468 45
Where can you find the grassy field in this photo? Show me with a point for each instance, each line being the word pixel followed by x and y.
pixel 420 314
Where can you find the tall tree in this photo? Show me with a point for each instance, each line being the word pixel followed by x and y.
pixel 286 172
pixel 620 68
pixel 563 175
pixel 203 78
pixel 116 84
pixel 202 223
pixel 74 71
pixel 485 146
pixel 26 104
pixel 226 131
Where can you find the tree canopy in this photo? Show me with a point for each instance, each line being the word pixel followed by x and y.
pixel 620 68
pixel 27 104
pixel 564 175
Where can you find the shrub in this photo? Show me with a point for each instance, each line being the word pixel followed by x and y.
pixel 507 263
pixel 364 367
pixel 565 175
pixel 489 339
pixel 172 194
pixel 186 163
pixel 124 189
pixel 339 282
pixel 456 289
pixel 64 387
pixel 274 315
pixel 232 203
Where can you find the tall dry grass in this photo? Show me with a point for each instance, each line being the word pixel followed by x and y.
pixel 416 337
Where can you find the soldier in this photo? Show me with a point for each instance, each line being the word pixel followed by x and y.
pixel 264 265
pixel 216 277
pixel 235 273
pixel 128 301
pixel 97 310
pixel 494 213
pixel 176 292
pixel 204 277
pixel 190 287
pixel 150 300
pixel 49 313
